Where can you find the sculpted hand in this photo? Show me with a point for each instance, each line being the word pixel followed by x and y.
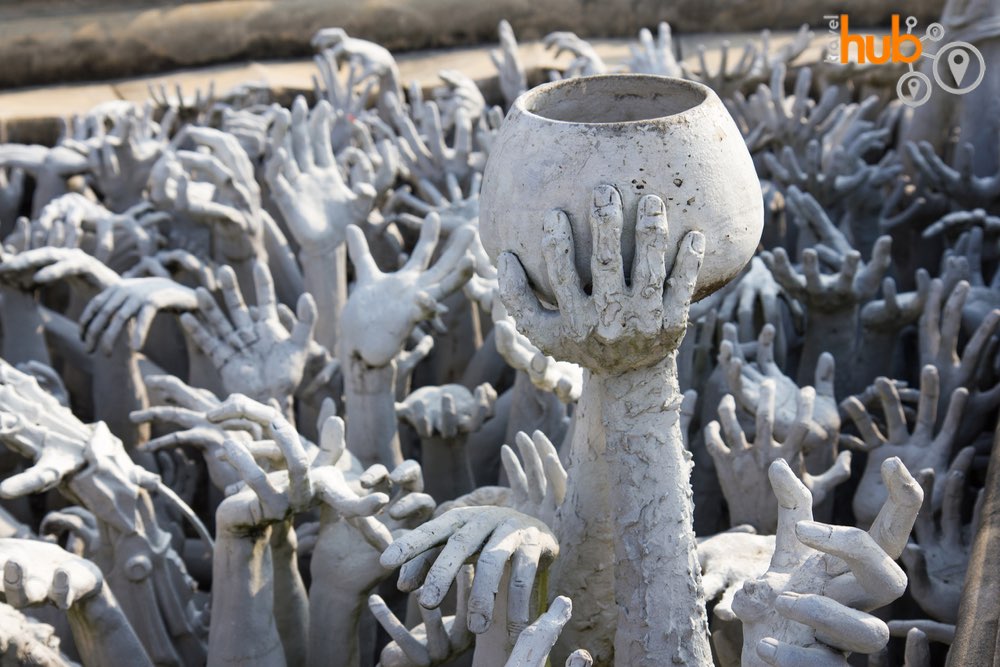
pixel 728 560
pixel 483 286
pixel 814 222
pixel 122 162
pixel 810 607
pixel 959 182
pixel 937 563
pixel 302 485
pixel 44 266
pixel 832 173
pixel 757 62
pixel 436 641
pixel 723 79
pixel 745 380
pixel 443 417
pixel 42 162
pixel 383 153
pixel 254 352
pixel 562 378
pixel 218 188
pixel 855 283
pixel 458 92
pixel 176 404
pixel 193 106
pixel 743 467
pixel 309 189
pixel 616 328
pixel 35 425
pixel 894 311
pixel 585 61
pixel 374 331
pixel 771 119
pixel 251 127
pixel 448 410
pixel 346 556
pixel 73 221
pixel 426 153
pixel 374 58
pixel 501 536
pixel 959 221
pixel 513 80
pixel 533 646
pixel 48 380
pixel 655 57
pixel 348 96
pixel 755 289
pixel 36 573
pixel 939 330
pixel 455 210
pixel 538 486
pixel 918 449
pixel 107 314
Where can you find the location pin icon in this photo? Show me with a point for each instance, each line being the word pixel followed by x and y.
pixel 914 87
pixel 958 62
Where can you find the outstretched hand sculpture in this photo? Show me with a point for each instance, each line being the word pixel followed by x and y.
pixel 628 335
pixel 627 328
pixel 810 604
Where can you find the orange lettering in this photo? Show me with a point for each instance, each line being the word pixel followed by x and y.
pixel 898 40
pixel 866 45
pixel 846 39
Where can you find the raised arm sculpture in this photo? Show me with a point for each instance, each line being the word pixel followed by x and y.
pixel 551 165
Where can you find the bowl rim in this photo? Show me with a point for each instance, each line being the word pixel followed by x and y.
pixel 521 103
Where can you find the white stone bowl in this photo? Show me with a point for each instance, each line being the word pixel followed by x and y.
pixel 643 134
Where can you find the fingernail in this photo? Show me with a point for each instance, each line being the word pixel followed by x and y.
pixel 391 555
pixel 551 221
pixel 429 596
pixel 478 623
pixel 652 205
pixel 604 195
pixel 767 648
pixel 697 241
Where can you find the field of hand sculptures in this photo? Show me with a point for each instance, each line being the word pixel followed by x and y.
pixel 646 365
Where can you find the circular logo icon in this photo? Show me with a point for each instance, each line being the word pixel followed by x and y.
pixel 934 32
pixel 913 88
pixel 952 65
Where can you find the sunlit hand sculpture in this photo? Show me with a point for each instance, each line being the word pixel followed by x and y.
pixel 548 166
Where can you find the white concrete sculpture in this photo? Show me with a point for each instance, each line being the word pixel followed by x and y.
pixel 572 386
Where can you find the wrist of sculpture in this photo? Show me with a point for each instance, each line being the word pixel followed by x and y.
pixel 340 624
pixel 243 588
pixel 447 467
pixel 101 632
pixel 240 516
pixel 370 392
pixel 875 353
pixel 21 318
pixel 835 332
pixel 119 389
pixel 661 619
pixel 324 274
pixel 322 249
pixel 291 602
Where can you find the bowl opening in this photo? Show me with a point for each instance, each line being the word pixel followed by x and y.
pixel 613 99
